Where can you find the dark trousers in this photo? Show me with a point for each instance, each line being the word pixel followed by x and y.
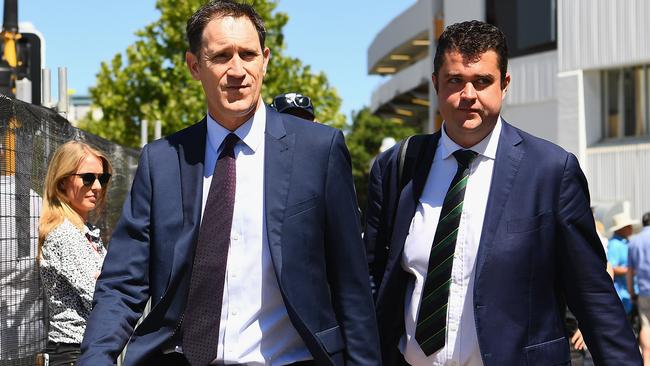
pixel 62 354
pixel 177 359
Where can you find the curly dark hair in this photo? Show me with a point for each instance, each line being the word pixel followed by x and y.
pixel 471 39
pixel 221 8
pixel 645 219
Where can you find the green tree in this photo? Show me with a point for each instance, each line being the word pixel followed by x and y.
pixel 151 81
pixel 364 138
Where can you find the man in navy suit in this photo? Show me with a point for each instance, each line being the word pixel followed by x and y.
pixel 294 282
pixel 475 257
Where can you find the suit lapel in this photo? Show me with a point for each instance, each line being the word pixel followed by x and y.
pixel 278 159
pixel 191 154
pixel 506 165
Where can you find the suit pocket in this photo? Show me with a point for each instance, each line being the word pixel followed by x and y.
pixel 555 352
pixel 526 224
pixel 331 339
pixel 301 207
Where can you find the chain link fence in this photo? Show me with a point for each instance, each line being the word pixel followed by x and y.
pixel 29 134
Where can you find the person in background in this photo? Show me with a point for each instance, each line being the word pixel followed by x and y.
pixel 295 104
pixel 617 255
pixel 600 230
pixel 639 266
pixel 70 248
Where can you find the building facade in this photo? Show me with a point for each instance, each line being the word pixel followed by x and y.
pixel 580 78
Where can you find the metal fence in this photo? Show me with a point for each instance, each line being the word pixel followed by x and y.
pixel 28 136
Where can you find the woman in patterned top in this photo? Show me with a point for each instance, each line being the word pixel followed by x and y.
pixel 70 249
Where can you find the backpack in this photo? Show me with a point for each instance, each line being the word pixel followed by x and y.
pixel 409 151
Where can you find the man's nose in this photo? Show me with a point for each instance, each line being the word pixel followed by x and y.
pixel 236 68
pixel 468 91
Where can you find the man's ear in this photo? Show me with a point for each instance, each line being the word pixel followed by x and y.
pixel 434 80
pixel 267 56
pixel 504 85
pixel 192 64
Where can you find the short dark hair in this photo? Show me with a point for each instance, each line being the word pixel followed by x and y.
pixel 645 219
pixel 471 39
pixel 219 9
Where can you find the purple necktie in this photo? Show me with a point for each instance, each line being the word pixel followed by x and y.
pixel 203 310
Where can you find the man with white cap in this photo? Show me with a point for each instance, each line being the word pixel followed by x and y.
pixel 639 269
pixel 617 255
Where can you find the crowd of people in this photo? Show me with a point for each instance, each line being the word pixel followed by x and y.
pixel 244 233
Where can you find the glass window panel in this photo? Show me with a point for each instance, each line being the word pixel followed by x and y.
pixel 613 117
pixel 647 99
pixel 529 25
pixel 639 96
pixel 629 102
pixel 536 23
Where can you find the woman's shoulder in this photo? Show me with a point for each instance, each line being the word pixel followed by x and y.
pixel 65 229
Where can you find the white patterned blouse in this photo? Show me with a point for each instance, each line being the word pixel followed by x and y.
pixel 70 263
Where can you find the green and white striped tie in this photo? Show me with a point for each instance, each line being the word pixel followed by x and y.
pixel 430 330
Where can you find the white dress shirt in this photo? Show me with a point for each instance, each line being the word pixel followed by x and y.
pixel 461 344
pixel 252 306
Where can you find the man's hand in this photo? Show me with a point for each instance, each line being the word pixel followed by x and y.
pixel 577 341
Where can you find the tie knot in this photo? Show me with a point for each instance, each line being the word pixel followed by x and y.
pixel 228 145
pixel 464 157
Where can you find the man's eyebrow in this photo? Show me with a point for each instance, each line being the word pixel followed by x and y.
pixel 451 73
pixel 487 76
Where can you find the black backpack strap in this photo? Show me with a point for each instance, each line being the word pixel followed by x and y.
pixel 410 150
pixel 401 157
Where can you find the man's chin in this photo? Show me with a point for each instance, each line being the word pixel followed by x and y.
pixel 241 107
pixel 470 124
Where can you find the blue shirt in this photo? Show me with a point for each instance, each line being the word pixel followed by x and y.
pixel 639 260
pixel 617 256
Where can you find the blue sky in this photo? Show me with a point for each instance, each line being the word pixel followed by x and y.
pixel 332 36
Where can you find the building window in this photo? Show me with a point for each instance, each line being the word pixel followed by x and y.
pixel 529 26
pixel 626 102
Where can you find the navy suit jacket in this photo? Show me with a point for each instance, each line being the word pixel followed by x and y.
pixel 313 233
pixel 538 251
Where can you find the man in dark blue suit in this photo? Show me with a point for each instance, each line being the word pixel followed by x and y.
pixel 242 230
pixel 481 234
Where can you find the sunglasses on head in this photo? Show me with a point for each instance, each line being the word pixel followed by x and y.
pixel 88 179
pixel 286 101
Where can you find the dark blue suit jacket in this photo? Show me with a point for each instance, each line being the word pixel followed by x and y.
pixel 538 251
pixel 313 233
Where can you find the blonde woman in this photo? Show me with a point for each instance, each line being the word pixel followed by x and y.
pixel 70 248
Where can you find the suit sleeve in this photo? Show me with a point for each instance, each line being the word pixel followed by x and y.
pixel 588 288
pixel 346 261
pixel 122 287
pixel 372 224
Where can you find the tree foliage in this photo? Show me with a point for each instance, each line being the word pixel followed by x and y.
pixel 151 81
pixel 364 138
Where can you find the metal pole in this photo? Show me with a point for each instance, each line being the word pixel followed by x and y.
pixel 143 133
pixel 62 106
pixel 46 88
pixel 157 131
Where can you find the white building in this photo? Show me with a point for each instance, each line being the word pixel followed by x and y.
pixel 580 78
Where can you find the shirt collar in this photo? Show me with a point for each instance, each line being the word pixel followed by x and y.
pixel 92 232
pixel 250 132
pixel 486 147
pixel 620 238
